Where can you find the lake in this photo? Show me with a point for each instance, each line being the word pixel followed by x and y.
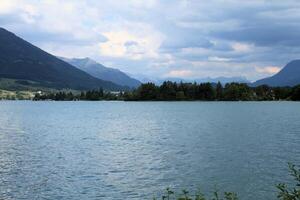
pixel 134 150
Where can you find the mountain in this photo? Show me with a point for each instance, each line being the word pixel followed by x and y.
pixel 288 76
pixel 223 80
pixel 99 71
pixel 146 78
pixel 21 60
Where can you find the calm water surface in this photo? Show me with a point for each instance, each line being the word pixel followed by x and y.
pixel 134 150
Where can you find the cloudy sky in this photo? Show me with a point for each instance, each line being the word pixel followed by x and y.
pixel 164 38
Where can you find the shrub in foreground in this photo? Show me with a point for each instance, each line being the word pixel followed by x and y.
pixel 284 191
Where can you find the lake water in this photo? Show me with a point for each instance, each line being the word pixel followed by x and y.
pixel 134 150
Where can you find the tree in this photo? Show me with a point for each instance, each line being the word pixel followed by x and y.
pixel 205 91
pixel 69 96
pixel 281 93
pixel 264 92
pixel 296 93
pixel 191 90
pixel 82 96
pixel 147 91
pixel 219 91
pixel 180 95
pixel 237 92
pixel 167 91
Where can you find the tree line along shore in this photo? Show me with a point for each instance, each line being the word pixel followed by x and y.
pixel 172 91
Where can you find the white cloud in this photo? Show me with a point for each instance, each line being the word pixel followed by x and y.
pixel 242 47
pixel 7 7
pixel 179 73
pixel 268 70
pixel 130 34
pixel 142 4
pixel 218 59
pixel 144 42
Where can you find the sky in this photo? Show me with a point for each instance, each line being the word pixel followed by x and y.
pixel 164 38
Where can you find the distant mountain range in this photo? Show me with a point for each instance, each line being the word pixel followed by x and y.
pixel 288 76
pixel 21 60
pixel 222 80
pixel 99 71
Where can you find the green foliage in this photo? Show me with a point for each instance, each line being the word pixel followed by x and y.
pixel 147 91
pixel 219 91
pixel 185 195
pixel 282 93
pixel 264 93
pixel 167 91
pixel 172 91
pixel 92 95
pixel 230 196
pixel 285 193
pixel 290 194
pixel 205 91
pixel 237 92
pixel 296 93
pixel 19 85
pixel 180 96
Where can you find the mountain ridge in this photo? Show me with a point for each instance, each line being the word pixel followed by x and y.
pixel 289 75
pixel 100 71
pixel 223 80
pixel 22 60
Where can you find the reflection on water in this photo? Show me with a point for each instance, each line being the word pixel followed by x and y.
pixel 130 150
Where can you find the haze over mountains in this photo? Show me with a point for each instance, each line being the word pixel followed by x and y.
pixel 100 71
pixel 288 76
pixel 223 80
pixel 23 61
